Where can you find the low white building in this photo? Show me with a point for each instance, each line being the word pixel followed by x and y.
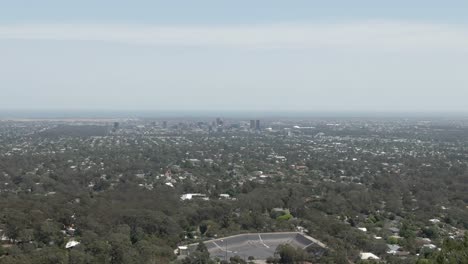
pixel 190 196
pixel 367 256
pixel 430 246
pixel 71 244
pixel 224 196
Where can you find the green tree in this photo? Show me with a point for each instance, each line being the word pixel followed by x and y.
pixel 452 252
pixel 200 256
pixel 287 254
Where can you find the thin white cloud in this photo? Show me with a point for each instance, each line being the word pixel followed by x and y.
pixel 356 35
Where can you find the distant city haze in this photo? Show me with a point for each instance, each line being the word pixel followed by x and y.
pixel 243 56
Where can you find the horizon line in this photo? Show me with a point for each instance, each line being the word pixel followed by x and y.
pixel 6 114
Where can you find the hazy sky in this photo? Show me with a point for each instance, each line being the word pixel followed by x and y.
pixel 385 56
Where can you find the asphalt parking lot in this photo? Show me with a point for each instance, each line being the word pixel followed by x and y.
pixel 258 245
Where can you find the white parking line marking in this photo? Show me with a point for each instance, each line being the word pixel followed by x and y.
pixel 222 249
pixel 261 241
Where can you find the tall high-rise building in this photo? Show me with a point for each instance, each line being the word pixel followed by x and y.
pixel 257 124
pixel 164 124
pixel 252 124
pixel 116 125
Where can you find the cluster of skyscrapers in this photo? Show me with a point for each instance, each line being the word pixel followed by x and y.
pixel 255 124
pixel 217 125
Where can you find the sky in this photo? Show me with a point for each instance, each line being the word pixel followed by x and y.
pixel 243 55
